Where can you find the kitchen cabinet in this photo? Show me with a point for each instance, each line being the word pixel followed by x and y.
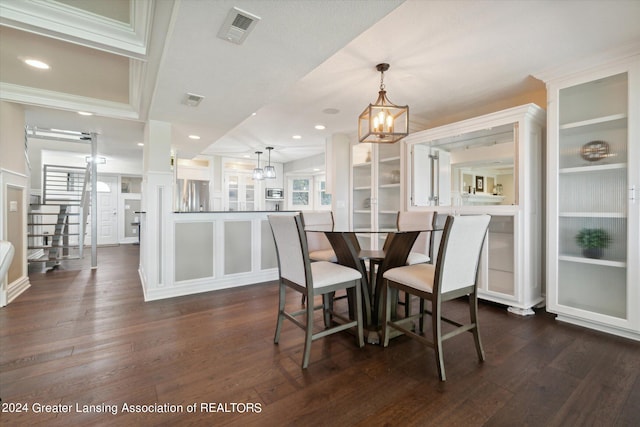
pixel 593 251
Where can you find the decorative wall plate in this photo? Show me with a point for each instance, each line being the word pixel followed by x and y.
pixel 594 150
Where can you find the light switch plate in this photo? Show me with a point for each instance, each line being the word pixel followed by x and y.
pixel 13 206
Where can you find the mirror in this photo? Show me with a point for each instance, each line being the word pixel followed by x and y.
pixel 475 168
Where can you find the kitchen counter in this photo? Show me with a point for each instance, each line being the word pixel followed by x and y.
pixel 206 251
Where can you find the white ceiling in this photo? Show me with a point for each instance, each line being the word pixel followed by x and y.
pixel 448 59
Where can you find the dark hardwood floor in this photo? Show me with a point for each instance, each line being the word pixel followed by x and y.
pixel 82 337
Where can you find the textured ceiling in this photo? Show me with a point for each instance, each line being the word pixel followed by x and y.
pixel 449 59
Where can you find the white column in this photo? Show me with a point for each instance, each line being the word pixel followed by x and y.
pixel 156 236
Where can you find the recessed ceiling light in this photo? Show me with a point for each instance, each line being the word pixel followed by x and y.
pixel 331 111
pixel 253 114
pixel 37 64
pixel 320 127
pixel 85 113
pixel 140 144
pixel 296 137
pixel 194 137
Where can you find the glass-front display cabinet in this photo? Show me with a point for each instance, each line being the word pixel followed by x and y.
pixel 376 176
pixel 593 213
pixel 490 164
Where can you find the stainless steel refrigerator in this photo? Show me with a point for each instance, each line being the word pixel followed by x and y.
pixel 192 195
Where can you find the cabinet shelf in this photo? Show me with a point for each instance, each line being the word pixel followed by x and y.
pixel 595 121
pixel 594 168
pixel 592 215
pixel 362 211
pixel 608 263
pixel 390 159
pixel 362 165
pixel 394 185
pixel 365 188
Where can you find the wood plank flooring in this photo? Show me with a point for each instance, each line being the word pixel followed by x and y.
pixel 83 339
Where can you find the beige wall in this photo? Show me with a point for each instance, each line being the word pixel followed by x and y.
pixel 12 137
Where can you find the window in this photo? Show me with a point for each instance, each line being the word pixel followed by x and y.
pixel 300 193
pixel 308 193
pixel 323 200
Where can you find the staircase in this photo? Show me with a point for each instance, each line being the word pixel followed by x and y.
pixel 57 224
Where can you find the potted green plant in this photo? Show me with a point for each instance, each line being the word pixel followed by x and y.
pixel 593 241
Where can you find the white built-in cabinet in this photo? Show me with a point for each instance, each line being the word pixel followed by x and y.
pixel 489 164
pixel 376 173
pixel 593 179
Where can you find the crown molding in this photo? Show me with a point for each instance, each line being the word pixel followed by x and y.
pixel 62 101
pixel 620 54
pixel 52 19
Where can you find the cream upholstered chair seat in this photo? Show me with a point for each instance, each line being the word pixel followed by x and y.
pixel 454 275
pixel 418 276
pixel 310 279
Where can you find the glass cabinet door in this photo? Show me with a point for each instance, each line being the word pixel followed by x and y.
pixel 592 196
pixel 362 158
pixel 240 192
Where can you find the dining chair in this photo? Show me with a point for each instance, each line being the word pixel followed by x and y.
pixel 310 279
pixel 6 256
pixel 454 275
pixel 418 221
pixel 422 249
pixel 319 247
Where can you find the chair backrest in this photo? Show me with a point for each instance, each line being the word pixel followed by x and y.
pixel 6 256
pixel 416 221
pixel 319 221
pixel 460 251
pixel 291 247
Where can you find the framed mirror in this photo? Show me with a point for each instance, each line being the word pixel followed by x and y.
pixel 473 168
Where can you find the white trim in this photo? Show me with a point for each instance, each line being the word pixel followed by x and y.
pixel 17 287
pixel 75 25
pixel 189 287
pixel 63 101
pixel 598 326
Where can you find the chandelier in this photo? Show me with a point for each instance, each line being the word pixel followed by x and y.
pixel 383 122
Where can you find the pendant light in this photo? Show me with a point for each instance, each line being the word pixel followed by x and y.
pixel 383 122
pixel 258 173
pixel 270 171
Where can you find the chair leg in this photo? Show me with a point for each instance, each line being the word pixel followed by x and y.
pixel 327 308
pixel 386 314
pixel 281 301
pixel 421 319
pixel 473 312
pixel 308 335
pixel 407 304
pixel 437 338
pixel 358 293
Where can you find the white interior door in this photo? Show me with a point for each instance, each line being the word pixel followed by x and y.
pixel 107 210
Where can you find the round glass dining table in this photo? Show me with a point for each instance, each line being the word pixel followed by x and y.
pixel 394 253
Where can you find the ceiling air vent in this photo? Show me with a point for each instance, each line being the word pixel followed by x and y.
pixel 237 25
pixel 192 100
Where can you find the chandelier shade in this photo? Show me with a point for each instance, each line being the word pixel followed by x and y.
pixel 258 173
pixel 383 122
pixel 269 171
